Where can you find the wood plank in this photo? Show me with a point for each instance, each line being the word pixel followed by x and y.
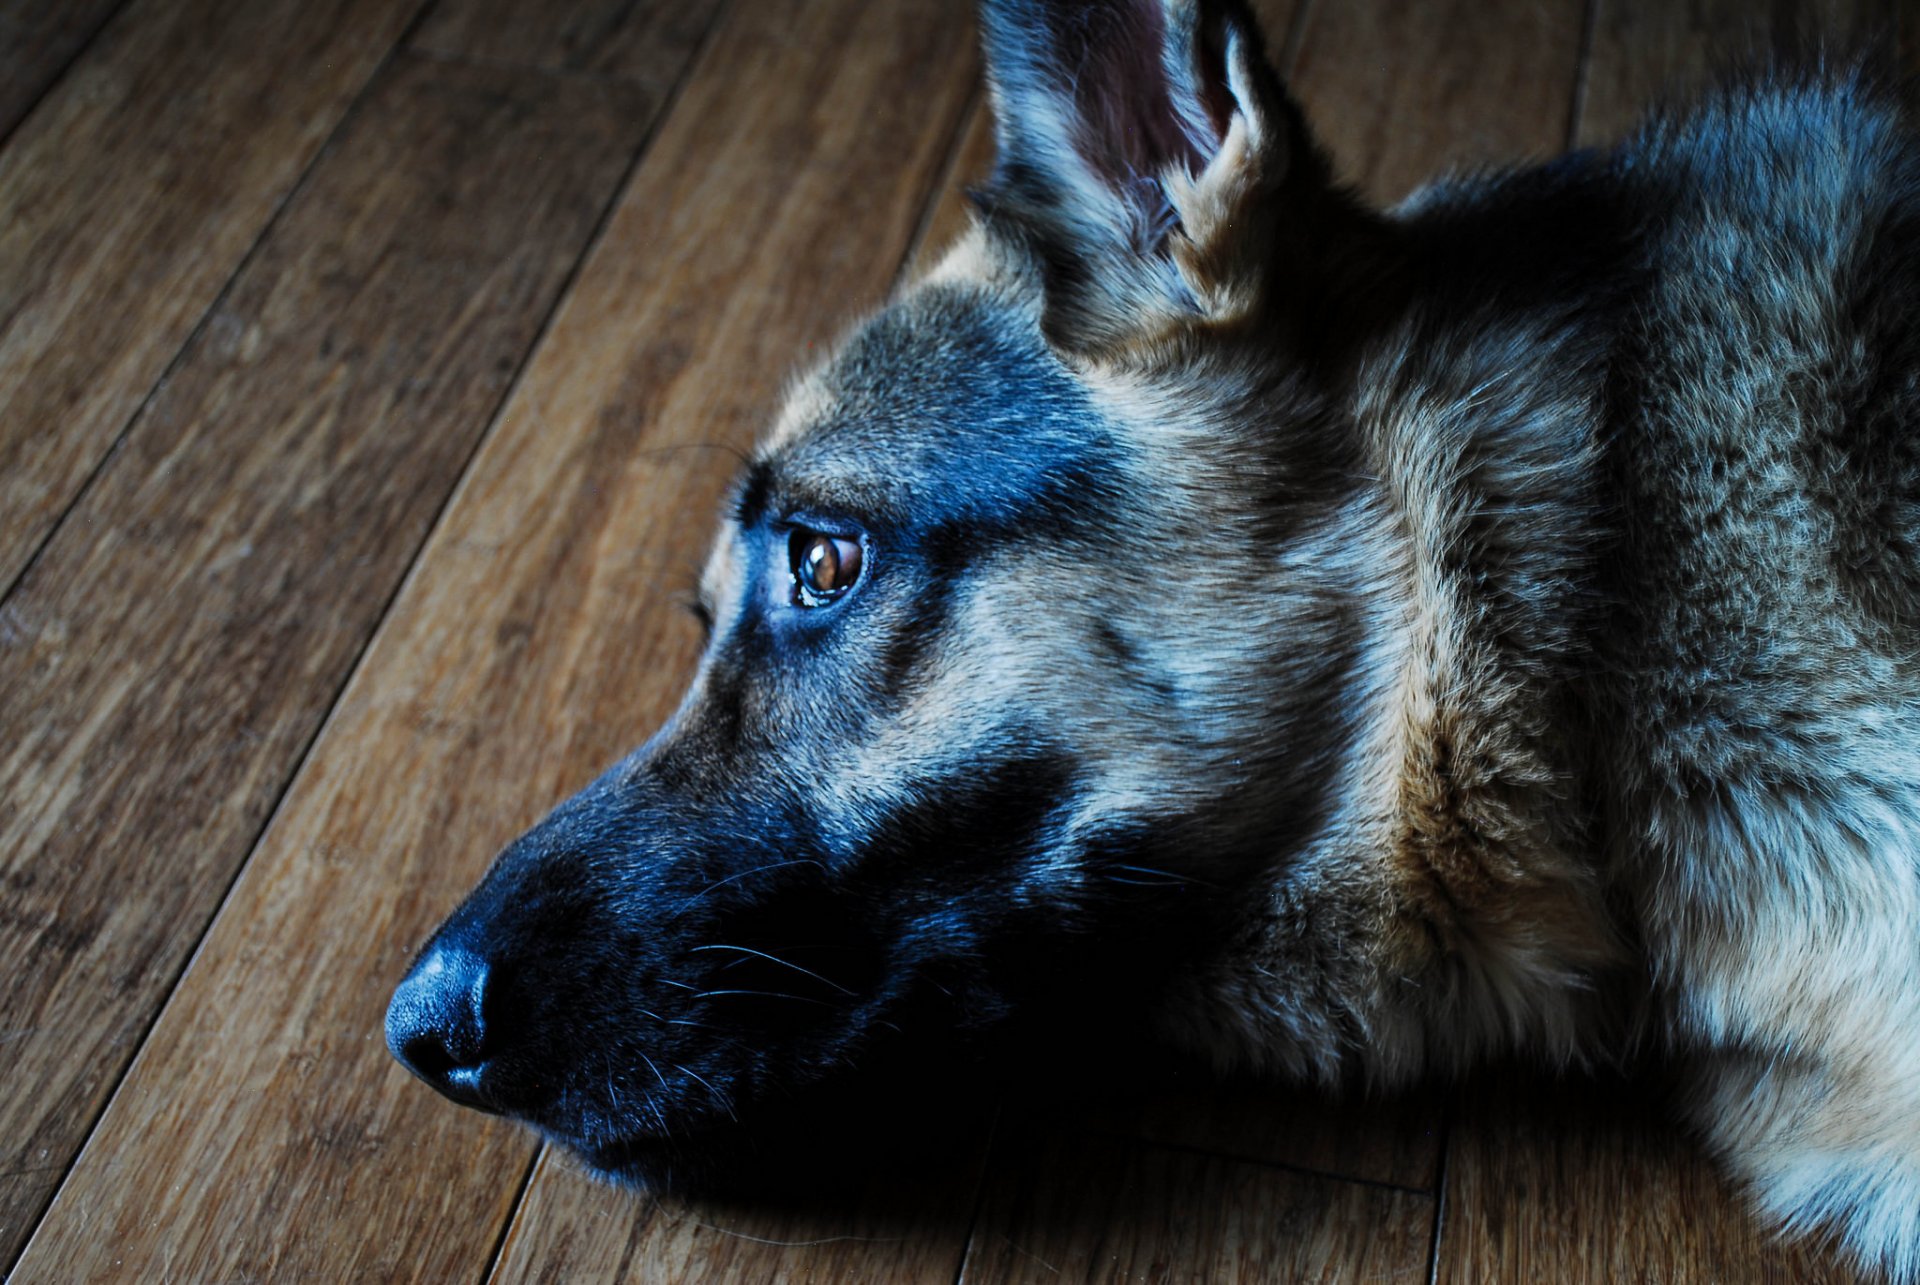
pixel 637 40
pixel 128 197
pixel 38 38
pixel 1074 1207
pixel 903 1225
pixel 1646 51
pixel 169 657
pixel 1400 92
pixel 1587 1181
pixel 537 639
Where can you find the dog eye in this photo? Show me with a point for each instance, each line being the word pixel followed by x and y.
pixel 824 566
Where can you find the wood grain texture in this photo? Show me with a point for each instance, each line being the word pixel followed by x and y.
pixel 1586 1181
pixel 638 39
pixel 1400 92
pixel 536 640
pixel 169 657
pixel 38 38
pixel 127 199
pixel 1650 51
pixel 1072 1207
pixel 901 1227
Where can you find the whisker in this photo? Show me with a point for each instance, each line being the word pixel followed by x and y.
pixel 775 959
pixel 803 999
pixel 718 1096
pixel 1158 875
pixel 1153 870
pixel 697 897
pixel 690 1073
pixel 655 1069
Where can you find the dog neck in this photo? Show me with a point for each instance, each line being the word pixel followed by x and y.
pixel 1457 856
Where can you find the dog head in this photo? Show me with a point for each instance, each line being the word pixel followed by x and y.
pixel 1032 625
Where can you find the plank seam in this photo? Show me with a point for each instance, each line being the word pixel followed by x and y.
pixel 989 1154
pixel 1262 1162
pixel 1440 1197
pixel 1582 69
pixel 1293 40
pixel 578 75
pixel 949 171
pixel 54 81
pixel 507 1224
pixel 200 325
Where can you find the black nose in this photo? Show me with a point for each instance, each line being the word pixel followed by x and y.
pixel 436 1024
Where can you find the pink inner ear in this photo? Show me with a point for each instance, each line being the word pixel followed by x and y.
pixel 1129 127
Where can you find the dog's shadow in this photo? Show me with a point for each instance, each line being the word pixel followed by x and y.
pixel 1033 1174
pixel 1158 1166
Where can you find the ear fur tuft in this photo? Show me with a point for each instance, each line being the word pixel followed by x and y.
pixel 1139 144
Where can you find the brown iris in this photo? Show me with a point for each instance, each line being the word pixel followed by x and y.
pixel 824 566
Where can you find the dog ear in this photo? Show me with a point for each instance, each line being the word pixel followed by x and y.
pixel 1144 147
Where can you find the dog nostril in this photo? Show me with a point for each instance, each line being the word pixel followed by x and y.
pixel 436 1024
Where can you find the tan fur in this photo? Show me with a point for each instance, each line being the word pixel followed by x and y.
pixel 1456 907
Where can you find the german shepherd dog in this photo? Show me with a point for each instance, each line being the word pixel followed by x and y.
pixel 1348 644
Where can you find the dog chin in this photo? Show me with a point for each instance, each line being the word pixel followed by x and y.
pixel 688 1154
pixel 696 1164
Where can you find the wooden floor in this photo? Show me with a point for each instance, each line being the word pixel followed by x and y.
pixel 361 364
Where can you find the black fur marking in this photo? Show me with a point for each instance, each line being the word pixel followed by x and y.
pixel 755 485
pixel 1131 662
pixel 910 645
